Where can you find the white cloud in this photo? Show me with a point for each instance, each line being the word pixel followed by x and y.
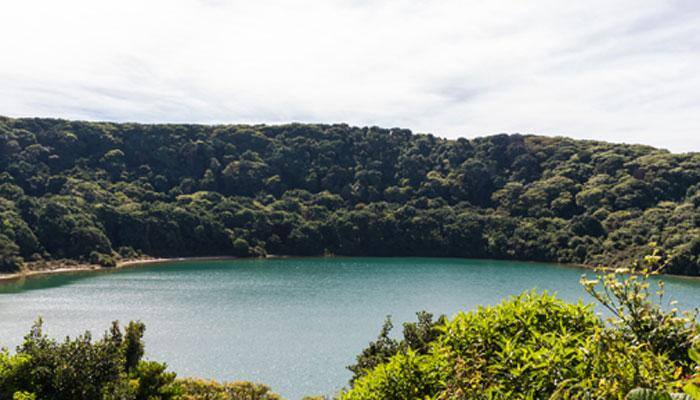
pixel 624 71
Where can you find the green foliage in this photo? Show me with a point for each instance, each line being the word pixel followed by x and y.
pixel 152 382
pixel 406 376
pixel 648 394
pixel 107 369
pixel 241 247
pixel 416 337
pixel 102 259
pixel 529 347
pixel 535 347
pixel 376 353
pixel 82 190
pixel 73 369
pixel 9 254
pixel 692 386
pixel 84 369
pixel 638 311
pixel 23 396
pixel 13 372
pixel 198 389
pixel 133 345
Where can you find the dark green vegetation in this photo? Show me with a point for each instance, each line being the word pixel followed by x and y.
pixel 535 346
pixel 110 368
pixel 416 338
pixel 529 347
pixel 96 191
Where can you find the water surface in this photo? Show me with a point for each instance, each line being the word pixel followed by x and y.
pixel 293 324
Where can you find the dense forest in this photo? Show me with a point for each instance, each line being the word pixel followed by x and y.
pixel 99 192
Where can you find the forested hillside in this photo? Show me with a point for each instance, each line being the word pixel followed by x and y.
pixel 99 191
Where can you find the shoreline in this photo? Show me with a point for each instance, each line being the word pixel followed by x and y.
pixel 147 261
pixel 83 267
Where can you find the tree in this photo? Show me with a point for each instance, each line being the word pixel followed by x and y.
pixel 9 254
pixel 640 319
pixel 133 345
pixel 83 190
pixel 154 382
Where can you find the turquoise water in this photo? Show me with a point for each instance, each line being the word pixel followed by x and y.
pixel 293 324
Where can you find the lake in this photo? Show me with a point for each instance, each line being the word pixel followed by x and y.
pixel 291 323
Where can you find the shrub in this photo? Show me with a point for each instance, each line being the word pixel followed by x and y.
pixel 641 314
pixel 104 260
pixel 241 247
pixel 152 382
pixel 199 389
pixel 529 347
pixel 416 336
pixel 535 347
pixel 84 369
pixel 13 373
pixel 692 387
pixel 23 396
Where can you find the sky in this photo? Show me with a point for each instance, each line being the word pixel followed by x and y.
pixel 621 71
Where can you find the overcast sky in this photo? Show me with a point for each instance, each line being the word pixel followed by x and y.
pixel 622 71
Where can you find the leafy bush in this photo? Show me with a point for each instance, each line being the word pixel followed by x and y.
pixel 13 372
pixel 416 337
pixel 9 255
pixel 75 369
pixel 104 260
pixel 535 346
pixel 84 369
pixel 529 347
pixel 648 394
pixel 198 389
pixel 23 396
pixel 642 315
pixel 692 386
pixel 107 369
pixel 151 381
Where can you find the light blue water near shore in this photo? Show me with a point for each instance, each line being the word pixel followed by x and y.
pixel 293 324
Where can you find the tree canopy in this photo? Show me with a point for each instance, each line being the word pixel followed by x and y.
pixel 94 192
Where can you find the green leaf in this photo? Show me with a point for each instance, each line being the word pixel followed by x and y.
pixel 680 396
pixel 693 390
pixel 694 354
pixel 647 394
